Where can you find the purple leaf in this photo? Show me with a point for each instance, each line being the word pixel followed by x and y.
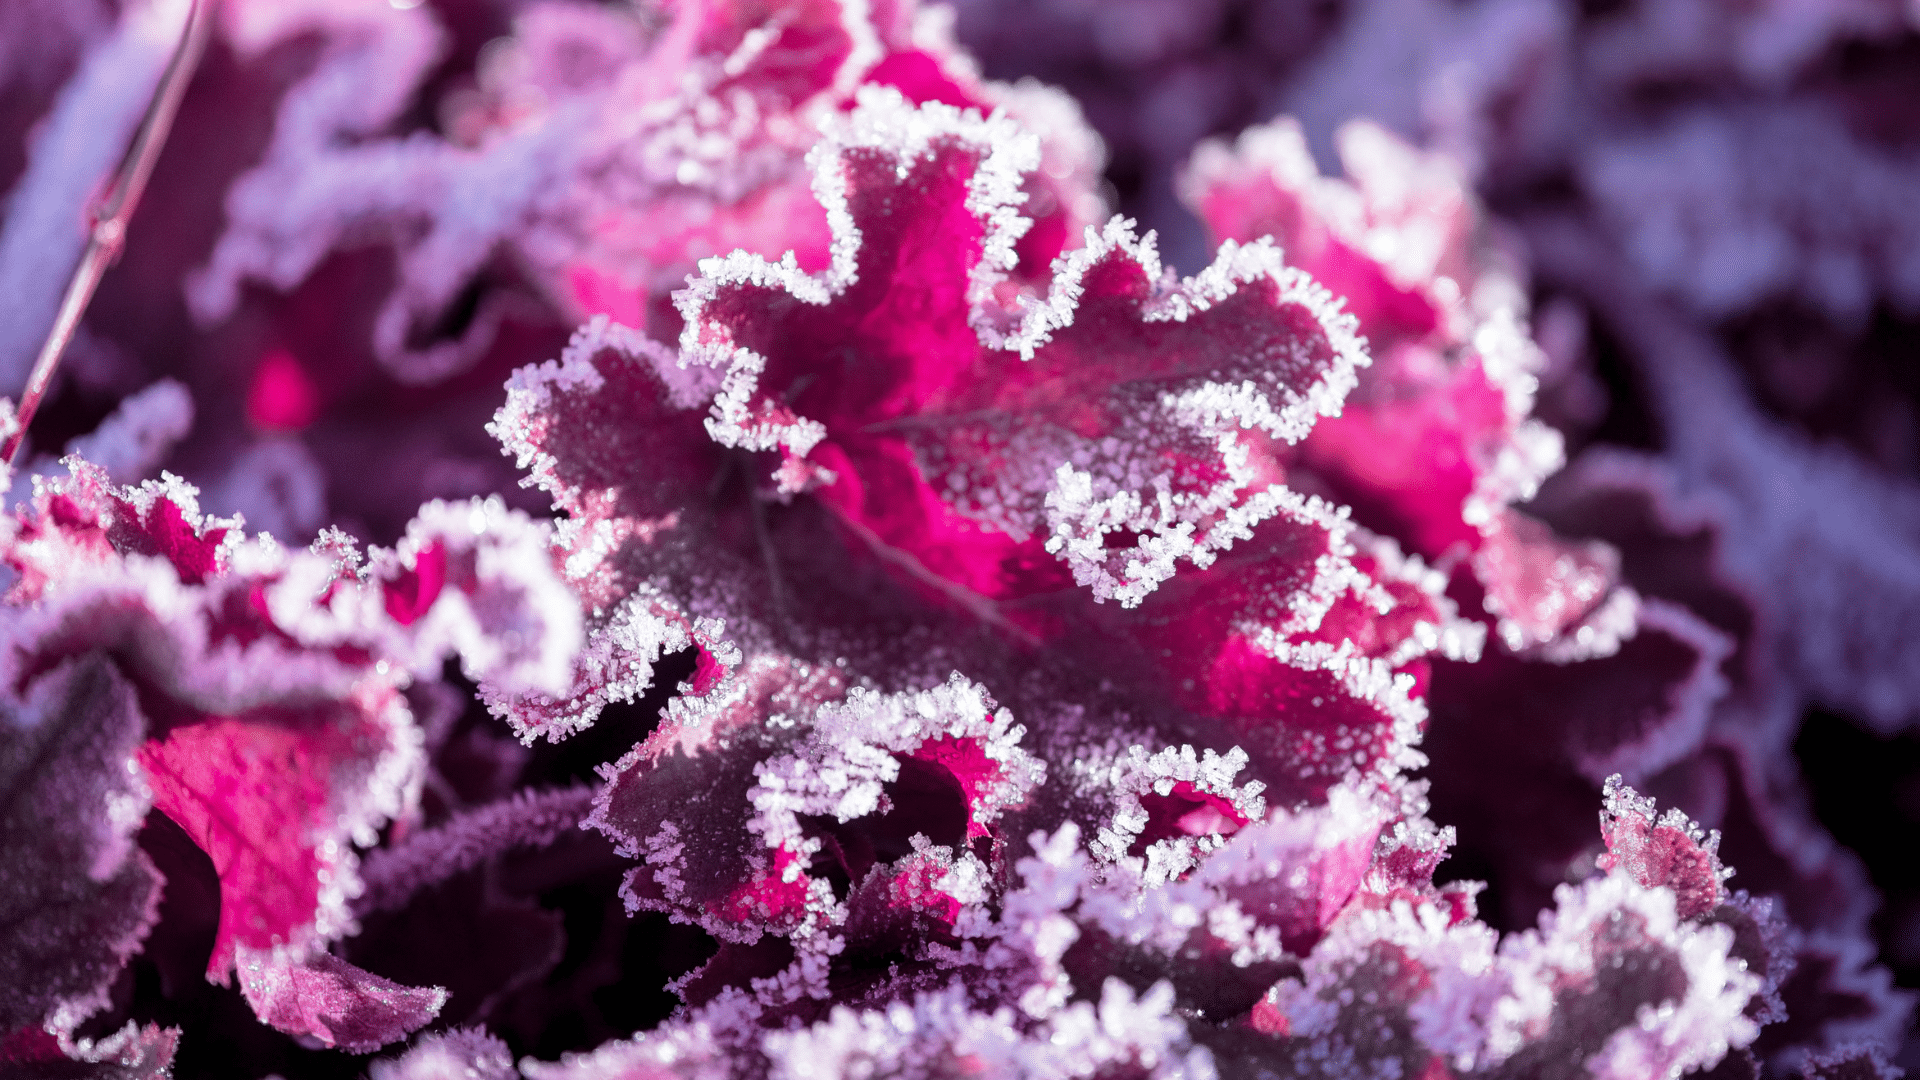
pixel 76 897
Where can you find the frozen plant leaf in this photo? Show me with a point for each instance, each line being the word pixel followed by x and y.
pixel 1854 1062
pixel 1118 422
pixel 276 797
pixel 287 212
pixel 1174 805
pixel 942 1033
pixel 680 798
pixel 275 759
pixel 276 735
pixel 1437 441
pixel 1244 912
pixel 76 897
pixel 335 1002
pixel 1636 991
pixel 601 433
pixel 477 580
pixel 894 779
pixel 132 1053
pixel 466 840
pixel 606 150
pixel 466 1054
pixel 1402 614
pixel 834 790
pixel 1615 984
pixel 1669 851
pixel 1308 651
pixel 1512 731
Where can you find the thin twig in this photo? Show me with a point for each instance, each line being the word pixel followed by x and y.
pixel 110 213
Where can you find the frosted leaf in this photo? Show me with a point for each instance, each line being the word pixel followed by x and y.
pixel 77 898
pixel 1611 985
pixel 322 180
pixel 1174 806
pixel 609 432
pixel 1278 585
pixel 1310 665
pixel 1854 1062
pixel 278 801
pixel 84 520
pixel 705 1045
pixel 952 736
pixel 478 580
pixel 1403 865
pixel 1765 941
pixel 129 444
pixel 1398 986
pixel 132 1053
pixel 277 737
pixel 1401 614
pixel 905 786
pixel 1375 970
pixel 1294 872
pixel 697 146
pixel 832 791
pixel 274 761
pixel 464 1054
pixel 937 1033
pixel 1614 955
pixel 1313 715
pixel 426 857
pixel 1542 588
pixel 681 797
pixel 1790 528
pixel 334 1002
pixel 1670 541
pixel 1436 441
pixel 615 664
pixel 1154 402
pixel 1645 744
pixel 1397 238
pixel 1669 851
pixel 607 151
pixel 1218 937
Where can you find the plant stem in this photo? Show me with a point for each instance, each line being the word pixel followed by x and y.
pixel 109 216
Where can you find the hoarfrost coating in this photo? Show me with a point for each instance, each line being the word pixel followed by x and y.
pixel 756 538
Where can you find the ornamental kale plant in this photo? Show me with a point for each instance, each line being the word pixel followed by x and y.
pixel 619 539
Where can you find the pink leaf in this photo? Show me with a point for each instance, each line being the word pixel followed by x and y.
pixel 1178 388
pixel 276 735
pixel 259 795
pixel 1436 441
pixel 335 1002
pixel 132 1053
pixel 1670 851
